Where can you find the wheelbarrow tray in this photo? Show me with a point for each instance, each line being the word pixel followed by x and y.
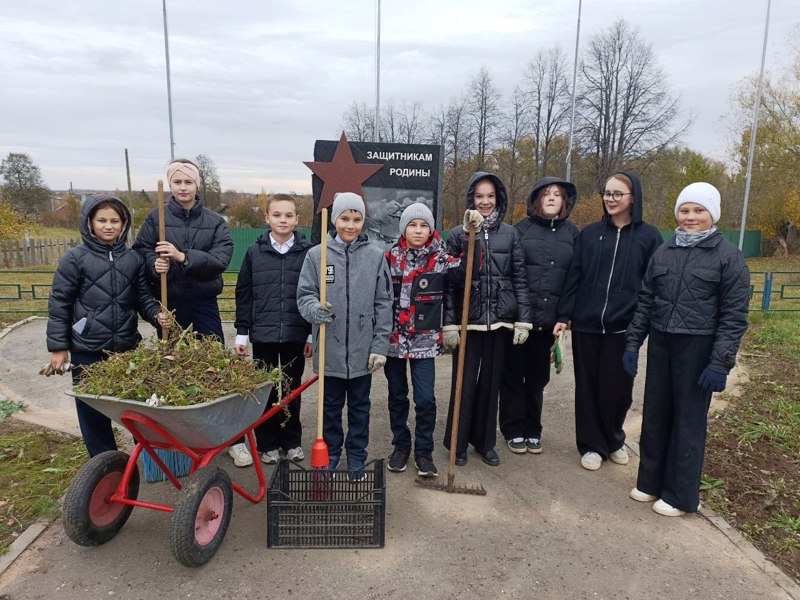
pixel 206 425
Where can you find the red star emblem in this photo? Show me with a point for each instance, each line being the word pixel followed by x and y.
pixel 342 174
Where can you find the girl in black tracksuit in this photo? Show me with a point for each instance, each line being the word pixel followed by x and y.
pixel 599 300
pixel 547 239
pixel 499 314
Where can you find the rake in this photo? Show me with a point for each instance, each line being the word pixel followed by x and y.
pixel 450 486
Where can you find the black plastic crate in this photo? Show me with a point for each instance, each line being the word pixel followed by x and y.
pixel 309 508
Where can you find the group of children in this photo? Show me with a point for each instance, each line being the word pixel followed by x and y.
pixel 614 282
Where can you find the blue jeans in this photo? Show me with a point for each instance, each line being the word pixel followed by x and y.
pixel 356 393
pixel 423 376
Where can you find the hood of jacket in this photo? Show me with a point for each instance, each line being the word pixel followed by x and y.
pixel 572 195
pixel 87 212
pixel 500 190
pixel 637 212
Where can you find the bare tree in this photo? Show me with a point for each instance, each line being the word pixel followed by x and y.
pixel 512 166
pixel 626 108
pixel 411 123
pixel 389 124
pixel 549 94
pixel 358 122
pixel 210 189
pixel 483 102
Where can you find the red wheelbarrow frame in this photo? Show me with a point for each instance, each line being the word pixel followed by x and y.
pixel 139 424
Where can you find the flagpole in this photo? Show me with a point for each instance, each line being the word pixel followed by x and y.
pixel 574 80
pixel 169 84
pixel 375 132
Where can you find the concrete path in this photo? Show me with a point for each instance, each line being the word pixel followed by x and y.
pixel 546 529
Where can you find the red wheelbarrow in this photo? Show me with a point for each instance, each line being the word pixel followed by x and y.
pixel 102 496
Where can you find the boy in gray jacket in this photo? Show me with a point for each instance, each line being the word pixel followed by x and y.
pixel 359 320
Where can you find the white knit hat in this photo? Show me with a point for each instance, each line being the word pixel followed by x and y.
pixel 346 201
pixel 704 194
pixel 416 211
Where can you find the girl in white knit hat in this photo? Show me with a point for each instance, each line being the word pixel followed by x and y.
pixel 693 305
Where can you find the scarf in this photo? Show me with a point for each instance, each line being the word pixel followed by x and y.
pixel 686 238
pixel 488 222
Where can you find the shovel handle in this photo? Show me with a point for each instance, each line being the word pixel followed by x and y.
pixel 162 237
pixel 323 267
pixel 461 356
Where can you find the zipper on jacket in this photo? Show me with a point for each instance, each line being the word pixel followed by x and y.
pixel 113 302
pixel 610 276
pixel 488 277
pixel 280 320
pixel 347 310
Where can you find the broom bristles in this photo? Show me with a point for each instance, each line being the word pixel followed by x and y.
pixel 178 463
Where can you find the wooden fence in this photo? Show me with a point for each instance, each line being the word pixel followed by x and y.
pixel 34 253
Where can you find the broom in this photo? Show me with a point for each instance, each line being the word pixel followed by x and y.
pixel 177 462
pixel 319 451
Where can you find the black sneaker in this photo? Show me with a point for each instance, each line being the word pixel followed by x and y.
pixel 398 459
pixel 425 466
pixel 534 445
pixel 517 445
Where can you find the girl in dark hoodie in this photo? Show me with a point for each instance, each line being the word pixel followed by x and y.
pixel 98 288
pixel 499 313
pixel 547 240
pixel 608 263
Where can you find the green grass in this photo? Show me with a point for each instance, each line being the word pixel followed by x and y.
pixel 36 467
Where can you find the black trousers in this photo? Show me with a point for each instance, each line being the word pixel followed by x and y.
pixel 483 372
pixel 201 313
pixel 526 373
pixel 603 392
pixel 98 435
pixel 280 431
pixel 673 441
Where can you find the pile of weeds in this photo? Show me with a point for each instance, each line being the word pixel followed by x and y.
pixel 184 370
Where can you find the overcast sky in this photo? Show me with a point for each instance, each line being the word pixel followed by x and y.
pixel 255 83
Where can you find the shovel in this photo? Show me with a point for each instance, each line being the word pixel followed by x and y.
pixel 451 486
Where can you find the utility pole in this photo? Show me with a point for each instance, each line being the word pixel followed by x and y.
pixel 754 132
pixel 128 173
pixel 169 84
pixel 574 80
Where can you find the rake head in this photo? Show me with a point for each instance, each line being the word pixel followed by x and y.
pixel 450 487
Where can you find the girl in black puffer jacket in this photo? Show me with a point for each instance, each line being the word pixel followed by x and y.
pixel 547 239
pixel 499 313
pixel 97 291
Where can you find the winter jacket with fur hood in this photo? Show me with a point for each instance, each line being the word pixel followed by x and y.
pixel 106 285
pixel 199 233
pixel 695 290
pixel 359 290
pixel 606 271
pixel 547 245
pixel 266 293
pixel 499 295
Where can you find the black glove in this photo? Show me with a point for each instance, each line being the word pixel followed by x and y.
pixel 630 362
pixel 712 381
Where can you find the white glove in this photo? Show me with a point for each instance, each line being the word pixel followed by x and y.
pixel 375 362
pixel 451 340
pixel 520 335
pixel 472 218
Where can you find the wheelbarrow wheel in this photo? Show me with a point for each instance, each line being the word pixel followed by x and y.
pixel 201 516
pixel 90 519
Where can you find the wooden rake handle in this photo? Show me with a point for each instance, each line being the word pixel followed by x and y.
pixel 323 264
pixel 162 237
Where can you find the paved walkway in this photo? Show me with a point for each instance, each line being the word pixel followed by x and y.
pixel 546 529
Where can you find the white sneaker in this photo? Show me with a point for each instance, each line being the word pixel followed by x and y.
pixel 240 455
pixel 295 454
pixel 591 461
pixel 640 496
pixel 271 457
pixel 667 510
pixel 619 456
